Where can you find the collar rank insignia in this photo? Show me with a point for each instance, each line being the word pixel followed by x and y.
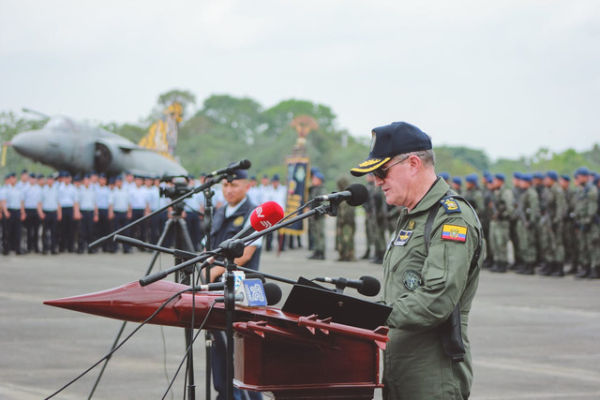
pixel 402 238
pixel 450 205
pixel 411 224
pixel 455 233
pixel 238 221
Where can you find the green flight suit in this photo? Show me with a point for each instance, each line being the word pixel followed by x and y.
pixel 423 286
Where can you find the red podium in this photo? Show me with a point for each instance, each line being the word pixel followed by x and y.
pixel 295 357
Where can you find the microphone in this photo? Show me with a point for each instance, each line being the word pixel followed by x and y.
pixel 252 293
pixel 273 293
pixel 243 164
pixel 365 285
pixel 355 195
pixel 263 217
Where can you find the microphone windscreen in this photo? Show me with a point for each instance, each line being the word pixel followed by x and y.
pixel 370 286
pixel 245 164
pixel 272 292
pixel 359 196
pixel 266 215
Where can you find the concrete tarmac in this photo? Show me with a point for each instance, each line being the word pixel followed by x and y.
pixel 532 337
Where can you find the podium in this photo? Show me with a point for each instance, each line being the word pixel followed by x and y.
pixel 293 356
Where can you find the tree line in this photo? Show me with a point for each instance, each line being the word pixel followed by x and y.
pixel 227 128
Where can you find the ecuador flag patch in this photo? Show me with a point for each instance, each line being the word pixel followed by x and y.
pixel 454 232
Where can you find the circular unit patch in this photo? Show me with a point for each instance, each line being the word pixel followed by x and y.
pixel 411 279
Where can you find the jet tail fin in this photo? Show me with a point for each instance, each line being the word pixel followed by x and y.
pixel 162 135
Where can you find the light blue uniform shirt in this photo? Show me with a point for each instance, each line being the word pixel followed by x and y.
pixel 50 198
pixel 33 195
pixel 14 197
pixel 120 199
pixel 153 197
pixel 138 198
pixel 67 195
pixel 102 197
pixel 86 198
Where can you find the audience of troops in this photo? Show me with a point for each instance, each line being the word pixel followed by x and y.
pixel 62 213
pixel 543 223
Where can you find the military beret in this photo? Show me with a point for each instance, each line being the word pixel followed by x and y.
pixel 517 175
pixel 527 177
pixel 444 175
pixel 500 177
pixel 538 175
pixel 390 140
pixel 472 178
pixel 457 180
pixel 552 175
pixel 582 171
pixel 566 177
pixel 489 178
pixel 486 174
pixel 112 180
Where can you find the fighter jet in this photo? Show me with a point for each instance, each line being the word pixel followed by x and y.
pixel 65 144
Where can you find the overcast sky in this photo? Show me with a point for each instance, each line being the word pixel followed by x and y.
pixel 504 76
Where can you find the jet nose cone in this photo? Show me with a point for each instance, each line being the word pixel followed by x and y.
pixel 30 144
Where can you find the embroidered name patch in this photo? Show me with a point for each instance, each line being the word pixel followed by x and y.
pixel 402 238
pixel 454 232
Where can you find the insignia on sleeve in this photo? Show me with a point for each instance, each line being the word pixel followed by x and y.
pixel 454 232
pixel 450 205
pixel 238 221
pixel 402 237
pixel 411 279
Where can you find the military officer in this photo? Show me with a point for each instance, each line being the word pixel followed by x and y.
pixel 473 193
pixel 457 184
pixel 14 215
pixel 103 226
pixel 569 226
pixel 551 226
pixel 32 196
pixel 119 210
pixel 431 269
pixel 86 198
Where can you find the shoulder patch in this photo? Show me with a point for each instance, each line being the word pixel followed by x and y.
pixel 455 233
pixel 450 205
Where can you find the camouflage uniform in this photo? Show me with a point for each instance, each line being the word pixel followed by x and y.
pixel 551 227
pixel 528 213
pixel 501 210
pixel 345 227
pixel 586 231
pixel 513 235
pixel 316 224
pixel 569 230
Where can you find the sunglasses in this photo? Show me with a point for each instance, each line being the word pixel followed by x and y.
pixel 381 173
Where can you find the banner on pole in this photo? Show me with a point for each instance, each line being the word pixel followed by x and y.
pixel 298 178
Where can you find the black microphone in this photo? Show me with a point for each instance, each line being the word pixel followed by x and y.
pixel 243 164
pixel 365 285
pixel 355 195
pixel 273 293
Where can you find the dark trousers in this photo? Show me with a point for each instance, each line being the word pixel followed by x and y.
pixel 218 366
pixel 157 223
pixel 138 231
pixel 193 225
pixel 50 232
pixel 12 231
pixel 103 228
pixel 120 221
pixel 86 229
pixel 32 226
pixel 67 230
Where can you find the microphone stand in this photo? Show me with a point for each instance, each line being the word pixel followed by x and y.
pixel 208 339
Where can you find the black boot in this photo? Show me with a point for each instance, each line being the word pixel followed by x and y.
pixel 546 269
pixel 500 266
pixel 527 269
pixel 366 255
pixel 558 269
pixel 572 269
pixel 594 273
pixel 317 255
pixel 583 272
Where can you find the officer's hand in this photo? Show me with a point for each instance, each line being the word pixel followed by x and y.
pixel 42 215
pixel 95 218
pixel 7 214
pixel 23 215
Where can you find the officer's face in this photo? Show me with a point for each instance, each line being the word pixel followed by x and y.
pixel 398 181
pixel 235 191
